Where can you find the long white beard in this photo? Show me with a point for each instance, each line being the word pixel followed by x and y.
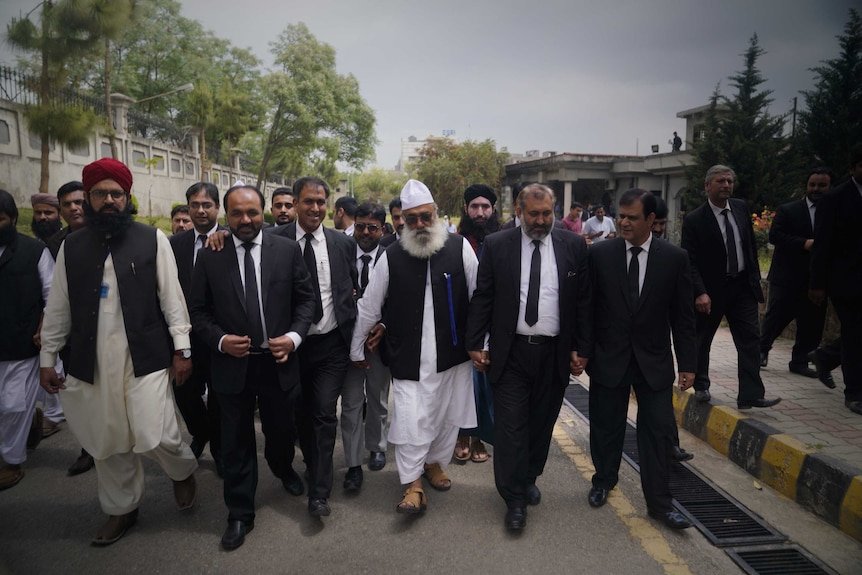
pixel 424 244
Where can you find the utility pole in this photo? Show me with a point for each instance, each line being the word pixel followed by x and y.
pixel 793 123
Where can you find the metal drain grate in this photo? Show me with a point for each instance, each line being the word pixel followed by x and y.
pixel 722 520
pixel 778 560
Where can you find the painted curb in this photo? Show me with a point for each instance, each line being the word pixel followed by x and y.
pixel 828 487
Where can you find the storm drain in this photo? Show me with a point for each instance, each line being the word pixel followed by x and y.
pixel 778 560
pixel 722 519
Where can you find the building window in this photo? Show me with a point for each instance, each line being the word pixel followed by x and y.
pixel 5 136
pixel 139 158
pixel 190 168
pixel 176 166
pixel 36 143
pixel 106 150
pixel 224 179
pixel 83 151
pixel 160 163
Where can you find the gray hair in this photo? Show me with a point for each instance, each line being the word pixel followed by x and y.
pixel 535 191
pixel 715 170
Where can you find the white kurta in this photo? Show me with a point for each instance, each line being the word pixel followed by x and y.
pixel 119 412
pixel 422 409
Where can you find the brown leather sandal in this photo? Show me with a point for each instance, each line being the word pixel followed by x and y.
pixel 478 453
pixel 414 502
pixel 437 477
pixel 462 449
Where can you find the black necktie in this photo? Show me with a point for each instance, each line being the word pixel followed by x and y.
pixel 634 275
pixel 363 275
pixel 531 313
pixel 732 259
pixel 252 303
pixel 311 264
pixel 202 238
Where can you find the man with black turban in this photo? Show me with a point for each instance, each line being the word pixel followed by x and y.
pixel 117 300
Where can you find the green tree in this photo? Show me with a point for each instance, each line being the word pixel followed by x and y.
pixel 746 137
pixel 832 120
pixel 316 116
pixel 447 168
pixel 63 34
pixel 378 185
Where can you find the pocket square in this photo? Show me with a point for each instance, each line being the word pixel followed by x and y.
pixel 571 274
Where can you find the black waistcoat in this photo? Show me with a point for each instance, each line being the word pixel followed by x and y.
pixel 406 301
pixel 20 298
pixel 134 256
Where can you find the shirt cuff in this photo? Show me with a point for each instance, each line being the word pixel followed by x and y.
pixel 182 341
pixel 297 340
pixel 47 359
pixel 221 339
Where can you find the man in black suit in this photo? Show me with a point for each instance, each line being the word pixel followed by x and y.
pixel 324 358
pixel 719 239
pixel 641 294
pixel 792 234
pixel 533 297
pixel 836 270
pixel 516 220
pixel 397 223
pixel 251 305
pixel 202 418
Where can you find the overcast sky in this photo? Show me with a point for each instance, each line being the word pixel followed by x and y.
pixel 603 77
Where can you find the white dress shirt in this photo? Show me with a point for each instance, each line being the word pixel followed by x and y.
pixel 737 234
pixel 549 288
pixel 198 244
pixel 642 260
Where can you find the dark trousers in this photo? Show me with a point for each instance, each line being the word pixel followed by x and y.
pixel 829 355
pixel 323 362
pixel 786 304
pixel 202 419
pixel 849 312
pixel 527 400
pixel 655 429
pixel 239 446
pixel 738 304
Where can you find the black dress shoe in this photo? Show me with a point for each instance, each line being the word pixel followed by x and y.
pixel 534 496
pixel 803 370
pixel 760 402
pixel 598 496
pixel 702 395
pixel 822 373
pixel 353 479
pixel 673 519
pixel 234 535
pixel 83 464
pixel 854 406
pixel 293 483
pixel 376 461
pixel 516 518
pixel 680 454
pixel 197 446
pixel 318 507
pixel 764 358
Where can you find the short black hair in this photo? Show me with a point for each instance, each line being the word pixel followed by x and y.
pixel 210 189
pixel 395 203
pixel 283 192
pixel 309 181
pixel 661 211
pixel 371 210
pixel 245 186
pixel 646 198
pixel 823 170
pixel 68 188
pixel 7 205
pixel 576 205
pixel 180 209
pixel 348 204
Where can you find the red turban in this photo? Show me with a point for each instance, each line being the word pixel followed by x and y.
pixel 107 169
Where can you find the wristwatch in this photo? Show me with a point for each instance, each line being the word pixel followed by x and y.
pixel 184 353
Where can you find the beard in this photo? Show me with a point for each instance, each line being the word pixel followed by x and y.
pixel 536 232
pixel 424 243
pixel 8 234
pixel 109 223
pixel 45 228
pixel 470 227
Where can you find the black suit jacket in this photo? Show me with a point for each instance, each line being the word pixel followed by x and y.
pixel 495 303
pixel 387 241
pixel 836 264
pixel 218 306
pixel 342 266
pixel 702 239
pixel 790 229
pixel 183 245
pixel 642 328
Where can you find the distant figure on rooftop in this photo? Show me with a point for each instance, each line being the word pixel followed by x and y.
pixel 677 143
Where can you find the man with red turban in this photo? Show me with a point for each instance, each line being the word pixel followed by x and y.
pixel 117 302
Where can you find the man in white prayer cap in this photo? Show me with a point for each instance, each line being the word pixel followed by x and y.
pixel 433 274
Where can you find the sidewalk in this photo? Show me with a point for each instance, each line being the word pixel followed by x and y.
pixel 808 447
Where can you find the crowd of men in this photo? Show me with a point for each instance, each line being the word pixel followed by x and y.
pixel 474 335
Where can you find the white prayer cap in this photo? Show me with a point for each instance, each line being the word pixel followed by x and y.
pixel 415 193
pixel 238 183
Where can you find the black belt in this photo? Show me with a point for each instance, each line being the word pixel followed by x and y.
pixel 536 339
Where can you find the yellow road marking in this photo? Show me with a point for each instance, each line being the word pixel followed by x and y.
pixel 651 539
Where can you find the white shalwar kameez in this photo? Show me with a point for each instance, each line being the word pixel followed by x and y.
pixel 428 413
pixel 120 416
pixel 19 386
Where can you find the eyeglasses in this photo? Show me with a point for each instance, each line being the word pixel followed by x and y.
pixel 360 227
pixel 116 195
pixel 413 219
